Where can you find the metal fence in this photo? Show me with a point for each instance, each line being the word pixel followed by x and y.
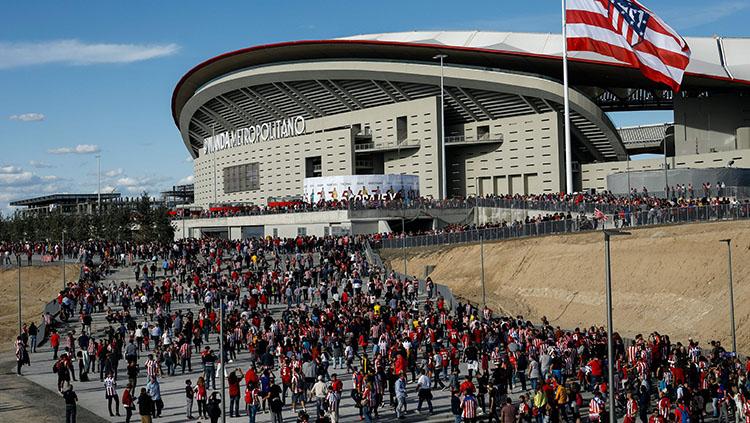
pixel 619 219
pixel 450 301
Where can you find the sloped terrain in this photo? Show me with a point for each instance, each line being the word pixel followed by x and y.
pixel 39 285
pixel 670 279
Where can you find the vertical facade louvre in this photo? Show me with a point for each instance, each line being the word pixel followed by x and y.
pixel 245 177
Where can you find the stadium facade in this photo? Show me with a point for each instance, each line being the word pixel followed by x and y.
pixel 261 120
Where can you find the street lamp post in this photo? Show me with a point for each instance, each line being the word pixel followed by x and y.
pixel 666 171
pixel 63 257
pixel 481 255
pixel 19 294
pixel 610 347
pixel 221 358
pixel 99 183
pixel 444 161
pixel 731 294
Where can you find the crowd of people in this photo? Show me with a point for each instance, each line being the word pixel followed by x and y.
pixel 679 195
pixel 310 313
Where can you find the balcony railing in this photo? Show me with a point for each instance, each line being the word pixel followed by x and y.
pixel 388 145
pixel 461 139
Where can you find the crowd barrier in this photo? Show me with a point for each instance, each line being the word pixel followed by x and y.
pixel 624 219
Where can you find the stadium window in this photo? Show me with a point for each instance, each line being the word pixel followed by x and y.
pixel 401 128
pixel 483 132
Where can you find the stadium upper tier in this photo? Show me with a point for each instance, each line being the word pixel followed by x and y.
pixel 489 75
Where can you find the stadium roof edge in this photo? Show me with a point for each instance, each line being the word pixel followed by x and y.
pixel 504 44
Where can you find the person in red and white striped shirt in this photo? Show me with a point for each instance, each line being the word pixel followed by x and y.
pixel 110 392
pixel 663 407
pixel 469 408
pixel 596 407
pixel 631 409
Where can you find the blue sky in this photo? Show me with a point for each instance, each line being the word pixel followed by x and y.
pixel 84 78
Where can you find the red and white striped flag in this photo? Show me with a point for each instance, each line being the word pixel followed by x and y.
pixel 599 215
pixel 630 33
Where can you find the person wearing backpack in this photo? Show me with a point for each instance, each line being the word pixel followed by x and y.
pixel 681 413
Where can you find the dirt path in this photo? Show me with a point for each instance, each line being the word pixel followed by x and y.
pixel 671 279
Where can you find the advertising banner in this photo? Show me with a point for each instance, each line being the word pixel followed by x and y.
pixel 363 187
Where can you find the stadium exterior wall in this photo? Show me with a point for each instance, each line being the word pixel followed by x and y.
pixel 594 175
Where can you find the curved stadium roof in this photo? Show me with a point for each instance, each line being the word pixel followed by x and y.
pixel 716 64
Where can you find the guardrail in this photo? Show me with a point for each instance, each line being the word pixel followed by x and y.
pixel 461 139
pixel 639 218
pixel 442 290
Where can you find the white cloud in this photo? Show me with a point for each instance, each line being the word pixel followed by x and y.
pixel 75 52
pixel 39 164
pixel 140 184
pixel 113 173
pixel 186 180
pixel 79 149
pixel 699 16
pixel 28 117
pixel 189 159
pixel 10 169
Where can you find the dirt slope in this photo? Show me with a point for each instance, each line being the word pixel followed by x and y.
pixel 669 279
pixel 39 285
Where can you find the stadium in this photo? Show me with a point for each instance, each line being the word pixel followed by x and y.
pixel 328 118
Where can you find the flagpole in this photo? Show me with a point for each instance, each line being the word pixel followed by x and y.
pixel 568 148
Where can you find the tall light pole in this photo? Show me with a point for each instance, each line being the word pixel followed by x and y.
pixel 481 255
pixel 221 355
pixel 731 294
pixel 610 344
pixel 98 183
pixel 566 104
pixel 63 257
pixel 19 294
pixel 213 135
pixel 444 161
pixel 666 170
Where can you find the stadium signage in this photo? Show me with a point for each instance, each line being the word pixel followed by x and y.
pixel 277 129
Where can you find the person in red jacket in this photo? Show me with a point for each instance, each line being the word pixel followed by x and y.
pixel 54 341
pixel 127 402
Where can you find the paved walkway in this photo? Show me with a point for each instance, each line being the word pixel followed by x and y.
pixel 91 394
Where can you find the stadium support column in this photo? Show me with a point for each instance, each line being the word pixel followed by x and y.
pixel 566 101
pixel 443 161
pixel 610 344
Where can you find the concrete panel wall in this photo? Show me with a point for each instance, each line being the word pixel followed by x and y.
pixel 595 175
pixel 528 161
pixel 282 161
pixel 709 124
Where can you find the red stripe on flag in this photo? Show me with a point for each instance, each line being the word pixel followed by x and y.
pixel 670 58
pixel 587 18
pixel 660 77
pixel 606 49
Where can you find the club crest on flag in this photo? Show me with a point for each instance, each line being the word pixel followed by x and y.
pixel 627 14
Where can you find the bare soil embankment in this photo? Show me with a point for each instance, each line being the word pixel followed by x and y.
pixel 670 279
pixel 39 285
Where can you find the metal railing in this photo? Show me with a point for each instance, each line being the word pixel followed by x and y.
pixel 461 139
pixel 676 215
pixel 387 145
